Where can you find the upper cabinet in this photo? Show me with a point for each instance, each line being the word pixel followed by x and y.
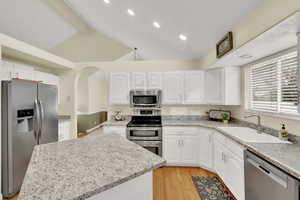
pixel 173 86
pixel 194 87
pixel 119 88
pixel 138 80
pixel 154 80
pixel 218 86
pixel 223 86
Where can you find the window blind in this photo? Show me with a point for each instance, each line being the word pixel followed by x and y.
pixel 273 85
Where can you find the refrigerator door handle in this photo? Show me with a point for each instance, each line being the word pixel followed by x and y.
pixel 42 117
pixel 36 119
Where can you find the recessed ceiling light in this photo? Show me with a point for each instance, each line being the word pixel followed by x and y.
pixel 246 56
pixel 156 24
pixel 107 1
pixel 183 37
pixel 130 12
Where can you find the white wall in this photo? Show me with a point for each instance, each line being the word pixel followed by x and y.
pixel 90 46
pixel 98 92
pixel 268 14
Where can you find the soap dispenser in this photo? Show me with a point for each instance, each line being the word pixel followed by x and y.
pixel 283 134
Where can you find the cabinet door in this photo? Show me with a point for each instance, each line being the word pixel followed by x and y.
pixel 219 159
pixel 214 86
pixel 173 87
pixel 138 80
pixel 194 87
pixel 119 88
pixel 206 148
pixel 154 80
pixel 171 149
pixel 190 150
pixel 7 70
pixel 234 176
pixel 23 72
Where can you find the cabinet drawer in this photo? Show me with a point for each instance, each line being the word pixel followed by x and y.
pixel 183 131
pixel 231 145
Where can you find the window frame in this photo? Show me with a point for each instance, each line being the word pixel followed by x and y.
pixel 247 87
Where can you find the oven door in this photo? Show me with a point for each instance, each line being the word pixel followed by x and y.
pixel 153 146
pixel 144 133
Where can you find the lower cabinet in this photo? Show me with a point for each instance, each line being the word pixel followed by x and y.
pixel 190 146
pixel 64 130
pixel 229 165
pixel 120 130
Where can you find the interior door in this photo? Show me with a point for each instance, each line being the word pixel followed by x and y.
pixel 19 134
pixel 47 96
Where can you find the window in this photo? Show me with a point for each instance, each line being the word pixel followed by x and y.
pixel 273 85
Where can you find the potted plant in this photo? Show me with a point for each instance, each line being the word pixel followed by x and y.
pixel 225 118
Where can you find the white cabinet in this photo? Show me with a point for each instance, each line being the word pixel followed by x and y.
pixel 214 87
pixel 173 86
pixel 138 80
pixel 171 149
pixel 64 130
pixel 191 146
pixel 190 152
pixel 24 72
pixel 119 88
pixel 223 86
pixel 194 87
pixel 120 130
pixel 206 148
pixel 229 165
pixel 154 80
pixel 7 70
pixel 181 146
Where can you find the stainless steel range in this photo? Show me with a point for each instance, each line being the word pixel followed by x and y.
pixel 145 127
pixel 147 132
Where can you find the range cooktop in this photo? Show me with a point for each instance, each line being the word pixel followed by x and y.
pixel 145 121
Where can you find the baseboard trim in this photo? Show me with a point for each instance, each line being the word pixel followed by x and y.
pixel 92 129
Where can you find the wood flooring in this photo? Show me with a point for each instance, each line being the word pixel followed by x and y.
pixel 175 183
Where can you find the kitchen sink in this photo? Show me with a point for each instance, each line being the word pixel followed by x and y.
pixel 251 136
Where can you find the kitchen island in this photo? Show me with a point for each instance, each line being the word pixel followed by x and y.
pixel 99 166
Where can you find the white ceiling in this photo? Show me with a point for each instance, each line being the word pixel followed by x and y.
pixel 34 22
pixel 204 22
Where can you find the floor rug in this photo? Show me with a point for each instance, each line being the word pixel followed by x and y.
pixel 210 188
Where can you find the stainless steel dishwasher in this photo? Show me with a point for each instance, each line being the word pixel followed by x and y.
pixel 264 181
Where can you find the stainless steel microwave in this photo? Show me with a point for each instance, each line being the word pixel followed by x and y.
pixel 145 98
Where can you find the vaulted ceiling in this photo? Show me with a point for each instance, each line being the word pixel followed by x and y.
pixel 203 22
pixel 34 22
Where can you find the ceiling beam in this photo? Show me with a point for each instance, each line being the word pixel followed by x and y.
pixel 63 9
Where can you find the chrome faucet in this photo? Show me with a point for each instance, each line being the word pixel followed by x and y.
pixel 259 127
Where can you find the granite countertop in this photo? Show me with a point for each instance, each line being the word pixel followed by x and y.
pixel 284 156
pixel 115 123
pixel 81 168
pixel 64 117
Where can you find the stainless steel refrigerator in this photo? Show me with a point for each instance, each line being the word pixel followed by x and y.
pixel 29 118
